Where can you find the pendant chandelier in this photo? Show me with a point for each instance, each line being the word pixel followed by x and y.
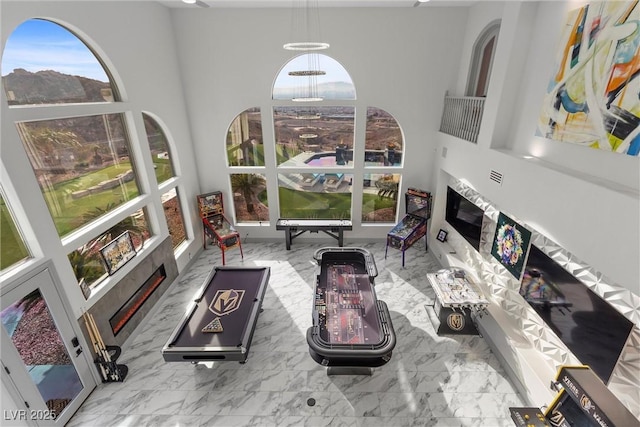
pixel 306 36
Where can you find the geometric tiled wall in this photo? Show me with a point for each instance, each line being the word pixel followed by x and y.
pixel 504 289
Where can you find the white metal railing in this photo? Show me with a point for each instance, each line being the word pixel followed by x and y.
pixel 462 116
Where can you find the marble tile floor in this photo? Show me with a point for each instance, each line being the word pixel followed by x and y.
pixel 431 380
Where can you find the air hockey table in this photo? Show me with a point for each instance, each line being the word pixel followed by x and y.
pixel 218 324
pixel 295 227
pixel 459 301
pixel 352 330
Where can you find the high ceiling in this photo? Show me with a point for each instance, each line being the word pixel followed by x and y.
pixel 321 3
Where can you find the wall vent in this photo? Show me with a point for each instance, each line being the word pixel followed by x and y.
pixel 495 176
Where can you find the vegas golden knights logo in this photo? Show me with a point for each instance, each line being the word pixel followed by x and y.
pixel 556 418
pixel 455 321
pixel 224 302
pixel 586 402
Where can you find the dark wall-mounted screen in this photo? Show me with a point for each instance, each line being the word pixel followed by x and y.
pixel 591 328
pixel 464 217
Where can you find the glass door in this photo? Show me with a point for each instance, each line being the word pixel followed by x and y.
pixel 41 354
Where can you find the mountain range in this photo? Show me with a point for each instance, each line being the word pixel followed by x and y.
pixel 52 87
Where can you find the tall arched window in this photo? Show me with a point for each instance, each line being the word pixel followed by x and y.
pixel 164 169
pixel 83 164
pixel 45 63
pixel 245 150
pixel 482 60
pixel 317 167
pixel 314 140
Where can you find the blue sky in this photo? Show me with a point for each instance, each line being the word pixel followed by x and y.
pixel 38 45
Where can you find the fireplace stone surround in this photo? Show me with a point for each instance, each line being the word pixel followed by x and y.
pixel 116 297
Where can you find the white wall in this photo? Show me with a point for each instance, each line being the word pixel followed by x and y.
pixel 398 59
pixel 585 200
pixel 576 196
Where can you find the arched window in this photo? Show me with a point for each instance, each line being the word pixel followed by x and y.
pixel 244 139
pixel 313 140
pixel 334 84
pixel 383 141
pixel 164 169
pixel 83 164
pixel 159 148
pixel 316 168
pixel 245 148
pixel 45 63
pixel 482 60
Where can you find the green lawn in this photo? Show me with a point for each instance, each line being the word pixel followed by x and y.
pixel 162 169
pixel 371 203
pixel 69 214
pixel 12 248
pixel 306 204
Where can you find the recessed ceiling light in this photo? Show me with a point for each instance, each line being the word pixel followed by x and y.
pixel 189 1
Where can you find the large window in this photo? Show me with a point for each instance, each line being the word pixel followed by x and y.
pixel 87 262
pixel 316 159
pixel 314 136
pixel 83 164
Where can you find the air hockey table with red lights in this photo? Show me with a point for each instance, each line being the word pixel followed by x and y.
pixel 219 322
pixel 352 330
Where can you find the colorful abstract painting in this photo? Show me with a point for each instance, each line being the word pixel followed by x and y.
pixel 511 245
pixel 593 96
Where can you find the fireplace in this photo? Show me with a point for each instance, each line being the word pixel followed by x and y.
pixel 139 297
pixel 136 294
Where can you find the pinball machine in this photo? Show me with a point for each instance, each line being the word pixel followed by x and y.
pixel 215 225
pixel 414 224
